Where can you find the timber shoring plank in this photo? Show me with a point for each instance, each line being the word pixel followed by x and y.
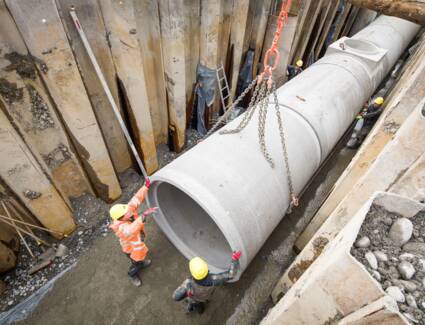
pixel 302 14
pixel 192 24
pixel 340 23
pixel 173 41
pixel 364 18
pixel 91 21
pixel 214 43
pixel 412 183
pixel 211 13
pixel 43 33
pixel 7 261
pixel 260 25
pixel 320 21
pixel 120 23
pixel 237 36
pixel 406 9
pixel 327 26
pixel 307 30
pixel 24 176
pixel 147 21
pixel 224 48
pixel 8 234
pixel 34 114
pixel 350 21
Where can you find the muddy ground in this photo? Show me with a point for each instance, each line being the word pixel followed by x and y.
pixel 97 290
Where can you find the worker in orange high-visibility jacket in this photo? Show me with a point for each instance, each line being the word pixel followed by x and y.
pixel 130 229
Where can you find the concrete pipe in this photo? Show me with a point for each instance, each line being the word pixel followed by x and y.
pixel 222 195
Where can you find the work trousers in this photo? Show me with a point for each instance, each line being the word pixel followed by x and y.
pixel 135 267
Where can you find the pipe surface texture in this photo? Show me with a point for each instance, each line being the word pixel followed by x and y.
pixel 222 195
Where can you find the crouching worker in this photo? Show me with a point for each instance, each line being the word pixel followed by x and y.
pixel 200 286
pixel 130 229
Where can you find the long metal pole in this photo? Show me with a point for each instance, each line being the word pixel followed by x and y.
pixel 107 90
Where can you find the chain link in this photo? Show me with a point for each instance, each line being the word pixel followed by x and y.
pixel 262 118
pixel 260 99
pixel 255 99
pixel 226 114
pixel 293 198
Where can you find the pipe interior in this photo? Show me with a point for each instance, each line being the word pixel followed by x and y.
pixel 192 226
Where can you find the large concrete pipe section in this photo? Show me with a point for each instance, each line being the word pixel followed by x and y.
pixel 222 195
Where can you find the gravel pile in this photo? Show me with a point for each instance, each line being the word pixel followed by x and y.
pixel 392 248
pixel 21 284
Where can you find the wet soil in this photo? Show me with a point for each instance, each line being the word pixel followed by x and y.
pixel 9 91
pixel 22 64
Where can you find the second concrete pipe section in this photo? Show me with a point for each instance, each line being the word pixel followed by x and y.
pixel 222 195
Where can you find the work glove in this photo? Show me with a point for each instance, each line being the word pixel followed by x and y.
pixel 150 211
pixel 236 255
pixel 147 182
pixel 133 204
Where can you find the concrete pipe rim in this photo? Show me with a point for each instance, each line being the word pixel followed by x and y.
pixel 361 46
pixel 233 242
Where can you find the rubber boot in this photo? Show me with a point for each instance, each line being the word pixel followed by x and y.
pixel 192 306
pixel 353 143
pixel 200 307
pixel 136 281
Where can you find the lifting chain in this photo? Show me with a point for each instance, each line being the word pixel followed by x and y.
pixel 257 96
pixel 223 118
pixel 264 88
pixel 294 198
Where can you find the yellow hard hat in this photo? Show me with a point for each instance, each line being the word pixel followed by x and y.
pixel 379 100
pixel 299 63
pixel 198 268
pixel 118 210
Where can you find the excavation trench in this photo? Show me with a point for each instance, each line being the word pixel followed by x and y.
pixel 222 195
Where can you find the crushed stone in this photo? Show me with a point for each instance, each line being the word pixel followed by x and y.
pixel 406 272
pixel 41 116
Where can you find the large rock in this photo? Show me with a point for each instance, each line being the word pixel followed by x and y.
pixel 7 258
pixel 415 248
pixel 380 256
pixel 396 293
pixel 362 242
pixel 371 259
pixel 411 301
pixel 406 270
pixel 401 231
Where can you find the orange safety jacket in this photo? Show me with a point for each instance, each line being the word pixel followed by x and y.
pixel 130 233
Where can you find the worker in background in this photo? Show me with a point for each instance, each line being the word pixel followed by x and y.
pixel 201 285
pixel 294 70
pixel 365 121
pixel 130 229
